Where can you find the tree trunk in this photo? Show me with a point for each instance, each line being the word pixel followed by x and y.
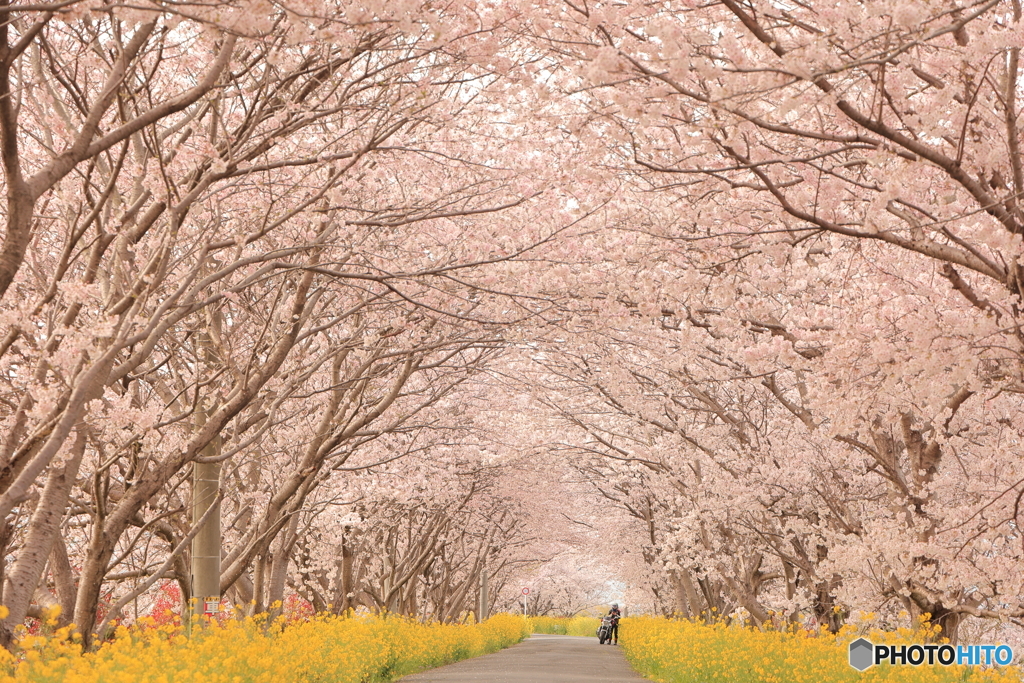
pixel 90 582
pixel 63 580
pixel 345 589
pixel 686 593
pixel 241 592
pixel 949 624
pixel 259 572
pixel 43 528
pixel 279 568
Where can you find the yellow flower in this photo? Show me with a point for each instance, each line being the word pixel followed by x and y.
pixel 689 651
pixel 341 649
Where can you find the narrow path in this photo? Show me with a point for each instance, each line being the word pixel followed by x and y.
pixel 539 659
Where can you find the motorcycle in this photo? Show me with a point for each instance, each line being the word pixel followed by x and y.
pixel 604 631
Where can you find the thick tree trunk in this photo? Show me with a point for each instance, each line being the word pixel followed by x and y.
pixel 279 568
pixel 63 580
pixel 241 592
pixel 27 572
pixel 90 583
pixel 947 620
pixel 20 202
pixel 259 572
pixel 180 566
pixel 682 605
pixel 689 593
pixel 344 598
pixel 825 607
pixel 712 593
pixel 949 624
pixel 6 533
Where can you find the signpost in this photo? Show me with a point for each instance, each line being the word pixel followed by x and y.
pixel 526 591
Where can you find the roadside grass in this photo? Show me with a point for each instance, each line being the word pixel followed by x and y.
pixel 324 649
pixel 685 651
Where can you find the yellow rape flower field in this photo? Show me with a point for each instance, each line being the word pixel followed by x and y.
pixel 684 651
pixel 327 649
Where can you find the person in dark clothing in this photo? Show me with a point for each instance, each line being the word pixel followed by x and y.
pixel 615 614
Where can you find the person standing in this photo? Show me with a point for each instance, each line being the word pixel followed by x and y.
pixel 615 615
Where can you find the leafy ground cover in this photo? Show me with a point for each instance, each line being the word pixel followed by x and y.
pixel 327 649
pixel 683 651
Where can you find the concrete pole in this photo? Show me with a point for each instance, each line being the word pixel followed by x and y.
pixel 205 489
pixel 484 598
pixel 206 544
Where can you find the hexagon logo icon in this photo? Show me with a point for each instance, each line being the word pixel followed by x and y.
pixel 862 654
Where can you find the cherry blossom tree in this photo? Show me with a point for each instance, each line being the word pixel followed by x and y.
pixel 215 245
pixel 458 290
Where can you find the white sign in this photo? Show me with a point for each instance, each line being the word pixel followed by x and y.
pixel 526 591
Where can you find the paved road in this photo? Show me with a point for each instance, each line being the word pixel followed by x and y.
pixel 539 659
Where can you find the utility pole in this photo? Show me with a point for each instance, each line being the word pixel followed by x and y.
pixel 484 598
pixel 206 544
pixel 206 494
